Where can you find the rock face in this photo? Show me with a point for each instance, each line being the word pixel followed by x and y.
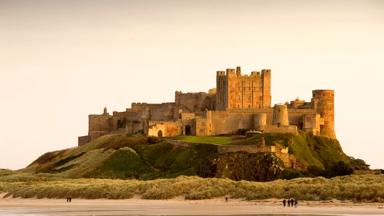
pixel 249 166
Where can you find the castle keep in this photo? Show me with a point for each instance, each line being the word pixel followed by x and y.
pixel 239 102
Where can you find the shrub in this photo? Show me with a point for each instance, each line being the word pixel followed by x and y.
pixel 358 164
pixel 291 173
pixel 339 168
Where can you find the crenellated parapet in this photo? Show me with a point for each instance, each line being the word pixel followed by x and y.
pixel 239 102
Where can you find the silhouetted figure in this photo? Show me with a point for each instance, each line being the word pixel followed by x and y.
pixel 292 202
pixel 69 199
pixel 284 202
pixel 289 202
pixel 295 203
pixel 226 198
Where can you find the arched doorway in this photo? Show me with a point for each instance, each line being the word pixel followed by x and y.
pixel 160 133
pixel 187 130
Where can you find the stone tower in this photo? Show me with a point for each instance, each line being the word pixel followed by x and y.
pixel 280 115
pixel 323 103
pixel 260 121
pixel 237 91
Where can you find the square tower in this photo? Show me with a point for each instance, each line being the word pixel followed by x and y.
pixel 237 91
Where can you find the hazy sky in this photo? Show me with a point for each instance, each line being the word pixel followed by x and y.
pixel 62 60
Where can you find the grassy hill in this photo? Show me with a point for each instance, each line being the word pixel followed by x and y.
pixel 113 165
pixel 138 157
pixel 121 156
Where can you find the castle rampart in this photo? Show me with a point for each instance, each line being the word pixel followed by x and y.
pixel 239 102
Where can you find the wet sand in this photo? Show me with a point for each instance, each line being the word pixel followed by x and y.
pixel 135 206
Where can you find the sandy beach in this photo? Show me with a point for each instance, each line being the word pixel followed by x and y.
pixel 136 206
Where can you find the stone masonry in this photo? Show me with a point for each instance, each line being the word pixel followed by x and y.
pixel 239 102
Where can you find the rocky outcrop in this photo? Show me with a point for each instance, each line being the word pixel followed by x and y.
pixel 249 166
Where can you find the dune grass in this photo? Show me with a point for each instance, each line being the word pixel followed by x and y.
pixel 217 140
pixel 367 188
pixel 4 172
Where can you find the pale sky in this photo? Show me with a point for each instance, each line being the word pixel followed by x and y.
pixel 62 60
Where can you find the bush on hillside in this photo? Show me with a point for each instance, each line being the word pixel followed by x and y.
pixel 358 164
pixel 339 169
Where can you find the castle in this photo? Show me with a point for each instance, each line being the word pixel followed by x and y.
pixel 239 102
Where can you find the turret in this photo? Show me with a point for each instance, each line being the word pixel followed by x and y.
pixel 238 71
pixel 280 115
pixel 260 121
pixel 266 87
pixel 323 103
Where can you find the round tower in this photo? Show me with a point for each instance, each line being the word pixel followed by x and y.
pixel 323 103
pixel 280 115
pixel 260 121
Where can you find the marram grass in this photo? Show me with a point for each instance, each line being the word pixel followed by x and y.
pixel 367 188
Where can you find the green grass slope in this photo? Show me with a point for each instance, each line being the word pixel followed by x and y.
pixel 127 157
pixel 124 157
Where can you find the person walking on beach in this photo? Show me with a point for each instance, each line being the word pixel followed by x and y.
pixel 284 202
pixel 289 202
pixel 226 198
pixel 295 203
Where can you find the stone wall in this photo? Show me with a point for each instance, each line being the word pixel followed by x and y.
pixel 82 140
pixel 201 126
pixel 312 123
pixel 292 129
pixel 227 122
pixel 164 129
pixel 194 102
pixel 157 112
pixel 296 117
pixel 99 125
pixel 130 121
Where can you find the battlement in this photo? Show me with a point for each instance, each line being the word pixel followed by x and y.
pixel 220 73
pixel 264 71
pixel 255 73
pixel 323 92
pixel 239 101
pixel 230 72
pixel 237 71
